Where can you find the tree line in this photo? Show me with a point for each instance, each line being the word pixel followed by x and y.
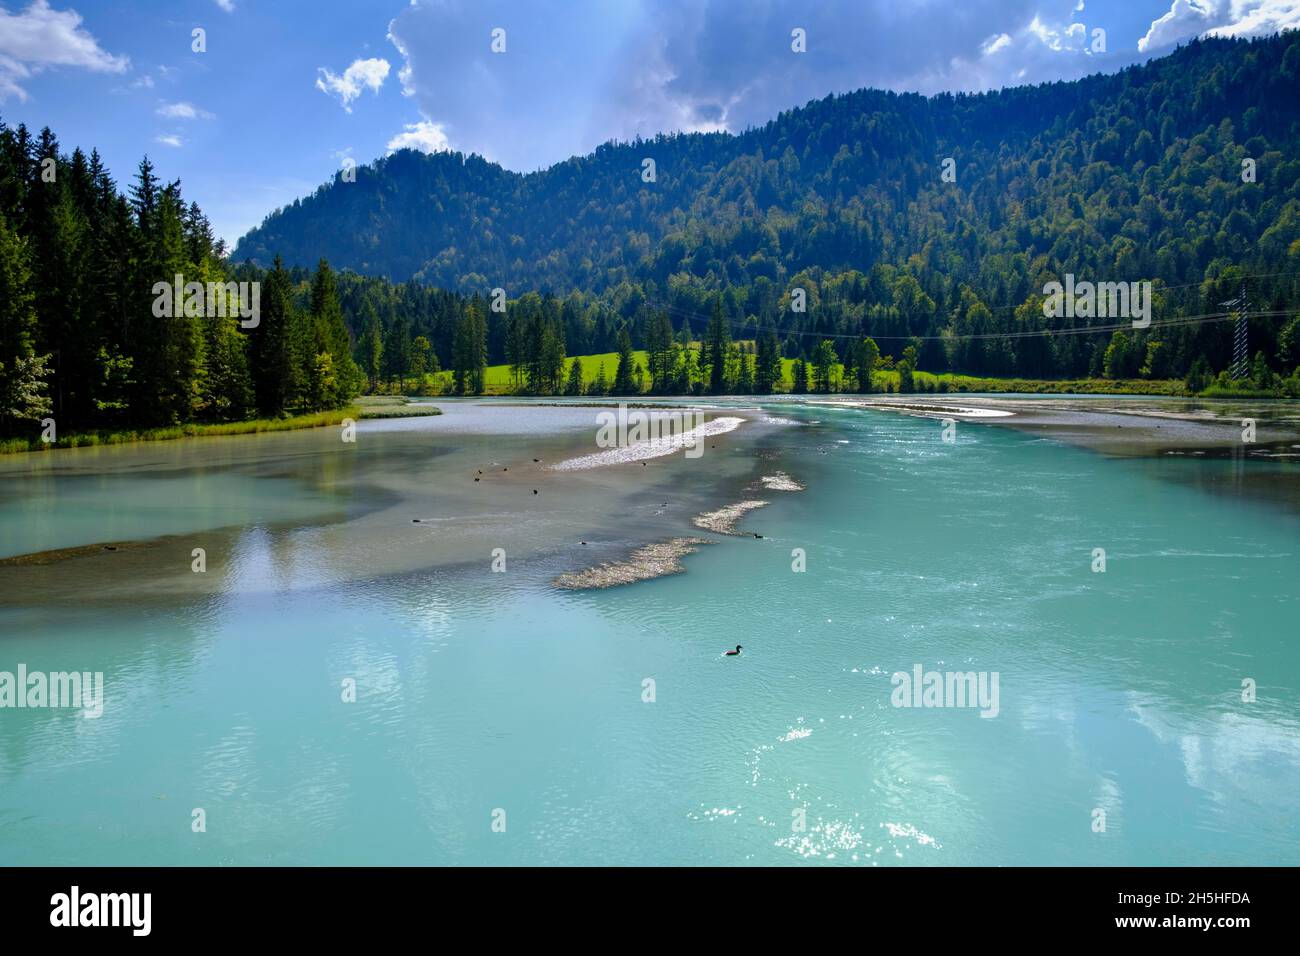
pixel 83 339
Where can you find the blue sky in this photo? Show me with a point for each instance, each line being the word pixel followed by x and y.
pixel 287 88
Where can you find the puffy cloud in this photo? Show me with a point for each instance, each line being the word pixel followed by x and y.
pixel 1190 18
pixel 1264 17
pixel 357 77
pixel 182 111
pixel 1185 18
pixel 425 136
pixel 227 5
pixel 41 37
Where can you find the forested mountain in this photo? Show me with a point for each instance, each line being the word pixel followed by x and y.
pixel 1133 176
pixel 1099 174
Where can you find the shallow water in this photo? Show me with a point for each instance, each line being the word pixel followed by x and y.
pixel 479 691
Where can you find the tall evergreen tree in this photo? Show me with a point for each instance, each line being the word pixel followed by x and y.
pixel 717 338
pixel 23 394
pixel 271 345
pixel 624 384
pixel 332 334
pixel 470 351
pixel 573 386
pixel 800 377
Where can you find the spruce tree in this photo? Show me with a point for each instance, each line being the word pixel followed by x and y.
pixel 800 377
pixel 370 348
pixel 270 346
pixel 574 384
pixel 624 384
pixel 23 392
pixel 332 334
pixel 717 339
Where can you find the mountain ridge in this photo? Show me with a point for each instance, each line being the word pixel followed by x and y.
pixel 461 222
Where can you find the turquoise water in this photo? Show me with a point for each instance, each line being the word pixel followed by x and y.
pixel 479 692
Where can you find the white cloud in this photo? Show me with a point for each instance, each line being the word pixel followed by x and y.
pixel 361 74
pixel 425 136
pixel 169 139
pixel 995 43
pixel 1190 18
pixel 40 37
pixel 1186 18
pixel 227 5
pixel 1254 19
pixel 182 111
pixel 1065 37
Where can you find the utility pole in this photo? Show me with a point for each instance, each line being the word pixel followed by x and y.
pixel 1240 350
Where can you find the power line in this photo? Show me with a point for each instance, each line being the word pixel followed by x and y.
pixel 1086 330
pixel 1171 288
pixel 1031 333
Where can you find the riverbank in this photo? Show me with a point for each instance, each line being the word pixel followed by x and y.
pixel 362 408
pixel 1264 429
pixel 131 436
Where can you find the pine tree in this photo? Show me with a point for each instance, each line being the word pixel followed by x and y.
pixel 767 364
pixel 470 351
pixel 551 359
pixel 661 352
pixel 270 345
pixel 745 380
pixel 226 393
pixel 332 334
pixel 717 338
pixel 370 348
pixel 23 392
pixel 397 352
pixel 800 377
pixel 574 384
pixel 176 381
pixel 624 384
